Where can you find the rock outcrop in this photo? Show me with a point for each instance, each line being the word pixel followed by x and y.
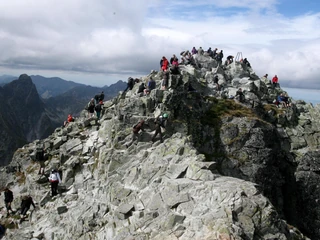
pixel 226 170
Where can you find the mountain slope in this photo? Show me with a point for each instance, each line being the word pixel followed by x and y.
pixel 225 170
pixel 51 87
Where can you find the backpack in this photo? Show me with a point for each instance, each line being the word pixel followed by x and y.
pixel 39 154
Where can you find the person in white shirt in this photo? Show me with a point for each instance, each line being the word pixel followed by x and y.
pixel 54 179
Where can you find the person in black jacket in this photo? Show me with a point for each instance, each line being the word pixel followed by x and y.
pixel 98 109
pixel 141 88
pixel 26 202
pixel 8 198
pixel 130 84
pixel 40 158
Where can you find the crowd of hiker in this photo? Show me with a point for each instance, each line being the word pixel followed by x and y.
pixel 95 105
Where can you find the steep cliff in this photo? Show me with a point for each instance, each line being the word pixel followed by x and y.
pixel 23 116
pixel 225 170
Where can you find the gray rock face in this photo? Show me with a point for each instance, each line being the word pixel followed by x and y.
pixel 225 170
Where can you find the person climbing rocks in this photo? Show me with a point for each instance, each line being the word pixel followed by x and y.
pixel 8 198
pixel 40 158
pixel 246 62
pixel 135 132
pixel 26 202
pixel 54 179
pixel 160 122
pixel 240 96
pixel 90 108
pixel 130 84
pixel 98 109
pixel 99 97
pixel 216 81
pixel 164 81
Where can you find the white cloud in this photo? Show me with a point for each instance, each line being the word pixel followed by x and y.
pixel 104 39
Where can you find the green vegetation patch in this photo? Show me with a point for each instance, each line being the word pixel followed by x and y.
pixel 268 107
pixel 224 108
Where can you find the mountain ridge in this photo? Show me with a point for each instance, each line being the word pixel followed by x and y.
pixel 225 169
pixel 25 116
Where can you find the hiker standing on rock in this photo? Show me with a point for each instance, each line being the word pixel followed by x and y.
pixel 275 81
pixel 240 96
pixel 54 179
pixel 98 109
pixel 40 157
pixel 160 121
pixel 90 108
pixel 8 198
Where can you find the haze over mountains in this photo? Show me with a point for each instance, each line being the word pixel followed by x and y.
pixel 32 107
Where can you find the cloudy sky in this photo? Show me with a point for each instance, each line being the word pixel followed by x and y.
pixel 98 42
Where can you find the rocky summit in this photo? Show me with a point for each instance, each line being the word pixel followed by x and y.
pixel 224 170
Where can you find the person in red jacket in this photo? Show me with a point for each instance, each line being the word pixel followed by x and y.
pixel 69 120
pixel 165 64
pixel 275 80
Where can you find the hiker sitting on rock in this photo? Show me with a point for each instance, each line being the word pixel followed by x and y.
pixel 135 132
pixel 283 99
pixel 160 121
pixel 150 87
pixel 229 60
pixel 141 88
pixel 174 66
pixel 240 96
pixel 69 120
